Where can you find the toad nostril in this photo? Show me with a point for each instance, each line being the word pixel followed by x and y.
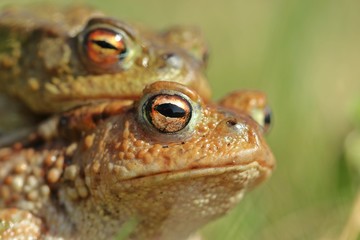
pixel 234 125
pixel 231 123
pixel 173 60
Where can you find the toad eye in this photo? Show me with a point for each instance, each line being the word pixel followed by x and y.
pixel 267 119
pixel 168 113
pixel 105 46
pixel 262 116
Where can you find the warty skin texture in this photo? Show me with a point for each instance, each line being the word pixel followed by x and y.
pixel 122 169
pixel 45 66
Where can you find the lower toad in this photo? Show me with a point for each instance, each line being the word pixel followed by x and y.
pixel 169 163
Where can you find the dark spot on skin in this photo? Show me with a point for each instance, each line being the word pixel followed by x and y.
pixel 67 160
pixel 165 146
pixel 100 117
pixel 63 122
pixel 96 118
pixel 107 212
pixel 182 143
pixel 35 143
pixel 54 196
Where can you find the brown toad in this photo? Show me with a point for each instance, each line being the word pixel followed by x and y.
pixel 52 59
pixel 169 162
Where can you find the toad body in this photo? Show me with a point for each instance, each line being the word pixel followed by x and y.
pixel 169 162
pixel 53 59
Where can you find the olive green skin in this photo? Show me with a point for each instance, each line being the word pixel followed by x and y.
pixel 43 65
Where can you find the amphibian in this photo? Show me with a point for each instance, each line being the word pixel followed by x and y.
pixel 53 59
pixel 170 162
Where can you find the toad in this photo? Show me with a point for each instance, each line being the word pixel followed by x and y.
pixel 169 163
pixel 54 59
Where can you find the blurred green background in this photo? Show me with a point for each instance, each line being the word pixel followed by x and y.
pixel 305 55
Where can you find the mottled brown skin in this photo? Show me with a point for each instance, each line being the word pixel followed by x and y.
pixel 44 66
pixel 253 102
pixel 250 102
pixel 124 169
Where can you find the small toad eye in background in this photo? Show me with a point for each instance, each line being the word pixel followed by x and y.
pixel 106 47
pixel 268 119
pixel 262 115
pixel 252 102
pixel 168 113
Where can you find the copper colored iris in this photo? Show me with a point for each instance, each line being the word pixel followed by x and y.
pixel 105 46
pixel 168 113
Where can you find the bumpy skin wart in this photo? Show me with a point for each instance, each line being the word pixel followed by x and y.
pixel 43 61
pixel 124 169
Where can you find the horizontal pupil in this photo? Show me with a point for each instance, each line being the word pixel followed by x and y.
pixel 170 110
pixel 104 44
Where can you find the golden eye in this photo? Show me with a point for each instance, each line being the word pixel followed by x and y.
pixel 108 46
pixel 105 46
pixel 168 113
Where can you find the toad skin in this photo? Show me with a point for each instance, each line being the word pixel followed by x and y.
pixel 53 59
pixel 170 162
